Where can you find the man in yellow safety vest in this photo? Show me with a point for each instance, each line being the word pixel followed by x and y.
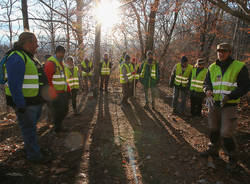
pixel 23 92
pixel 226 81
pixel 135 73
pixel 126 79
pixel 87 67
pixel 55 72
pixel 180 77
pixel 71 72
pixel 105 70
pixel 196 87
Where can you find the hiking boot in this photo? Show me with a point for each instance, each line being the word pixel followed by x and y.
pixel 146 106
pixel 232 166
pixel 76 112
pixel 153 106
pixel 213 151
pixel 174 112
pixel 40 159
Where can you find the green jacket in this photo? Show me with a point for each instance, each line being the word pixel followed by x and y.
pixel 146 78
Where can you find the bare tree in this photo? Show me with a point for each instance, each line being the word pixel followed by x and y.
pixel 25 15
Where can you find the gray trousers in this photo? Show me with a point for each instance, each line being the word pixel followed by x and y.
pixel 223 120
pixel 183 93
pixel 153 94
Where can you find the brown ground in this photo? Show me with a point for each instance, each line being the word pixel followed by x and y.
pixel 110 144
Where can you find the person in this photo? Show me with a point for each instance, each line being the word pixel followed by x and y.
pixel 150 77
pixel 122 58
pixel 71 72
pixel 23 92
pixel 196 87
pixel 226 81
pixel 105 69
pixel 134 66
pixel 180 77
pixel 87 67
pixel 126 79
pixel 54 70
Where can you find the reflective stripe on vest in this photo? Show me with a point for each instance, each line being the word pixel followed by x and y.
pixel 152 72
pixel 134 70
pixel 227 83
pixel 58 80
pixel 198 81
pixel 30 86
pixel 105 70
pixel 85 74
pixel 182 79
pixel 72 79
pixel 128 74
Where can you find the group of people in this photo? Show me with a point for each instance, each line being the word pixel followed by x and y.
pixel 31 84
pixel 147 73
pixel 222 84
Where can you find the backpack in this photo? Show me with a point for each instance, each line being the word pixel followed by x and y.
pixel 2 66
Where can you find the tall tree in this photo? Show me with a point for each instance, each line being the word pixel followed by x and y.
pixel 25 15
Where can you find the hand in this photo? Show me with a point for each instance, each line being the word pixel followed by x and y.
pixel 224 100
pixel 209 93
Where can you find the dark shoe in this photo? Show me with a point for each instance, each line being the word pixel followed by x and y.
pixel 174 112
pixel 40 159
pixel 212 151
pixel 232 166
pixel 76 112
pixel 146 106
pixel 124 103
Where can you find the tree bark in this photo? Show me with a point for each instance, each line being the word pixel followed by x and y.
pixel 79 31
pixel 151 26
pixel 25 15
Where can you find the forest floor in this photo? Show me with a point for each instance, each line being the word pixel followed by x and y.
pixel 111 144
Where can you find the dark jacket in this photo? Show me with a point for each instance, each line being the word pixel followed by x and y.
pixel 148 81
pixel 16 69
pixel 243 82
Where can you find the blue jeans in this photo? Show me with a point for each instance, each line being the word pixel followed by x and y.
pixel 183 93
pixel 27 122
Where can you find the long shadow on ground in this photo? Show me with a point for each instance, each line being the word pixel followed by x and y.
pixel 64 157
pixel 157 149
pixel 105 156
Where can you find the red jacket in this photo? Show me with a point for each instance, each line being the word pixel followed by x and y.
pixel 49 69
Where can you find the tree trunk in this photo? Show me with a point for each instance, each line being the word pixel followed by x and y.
pixel 138 28
pixel 25 15
pixel 97 58
pixel 79 31
pixel 151 26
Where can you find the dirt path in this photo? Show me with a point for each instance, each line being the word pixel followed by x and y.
pixel 111 144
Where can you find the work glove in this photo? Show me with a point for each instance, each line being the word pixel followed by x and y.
pixel 224 100
pixel 209 101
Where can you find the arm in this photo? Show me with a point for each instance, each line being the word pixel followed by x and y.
pixel 16 69
pixel 124 73
pixel 49 69
pixel 157 73
pixel 243 84
pixel 172 77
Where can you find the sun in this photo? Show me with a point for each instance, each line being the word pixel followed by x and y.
pixel 107 13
